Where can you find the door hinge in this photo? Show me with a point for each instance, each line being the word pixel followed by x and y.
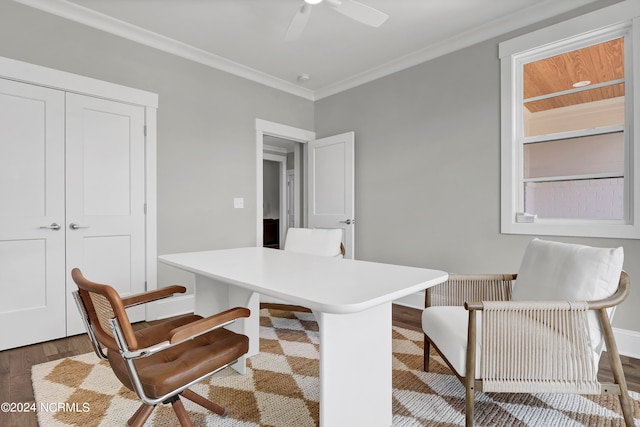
pixel 145 130
pixel 145 208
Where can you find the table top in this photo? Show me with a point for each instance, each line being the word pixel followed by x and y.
pixel 330 285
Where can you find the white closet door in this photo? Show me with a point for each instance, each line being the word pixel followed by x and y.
pixel 105 197
pixel 32 263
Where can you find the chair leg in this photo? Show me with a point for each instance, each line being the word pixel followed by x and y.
pixel 140 416
pixel 469 401
pixel 627 409
pixel 181 413
pixel 470 379
pixel 618 376
pixel 616 368
pixel 427 350
pixel 205 403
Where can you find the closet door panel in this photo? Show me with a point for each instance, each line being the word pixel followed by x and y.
pixel 106 174
pixel 105 196
pixel 32 247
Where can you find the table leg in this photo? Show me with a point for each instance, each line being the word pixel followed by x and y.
pixel 212 296
pixel 356 368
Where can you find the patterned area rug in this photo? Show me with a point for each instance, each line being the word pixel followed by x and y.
pixel 281 389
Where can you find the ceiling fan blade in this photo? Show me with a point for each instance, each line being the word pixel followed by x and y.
pixel 360 12
pixel 298 23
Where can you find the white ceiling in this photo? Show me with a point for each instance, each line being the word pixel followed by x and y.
pixel 246 37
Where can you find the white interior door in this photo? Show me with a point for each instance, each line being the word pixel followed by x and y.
pixel 32 237
pixel 331 186
pixel 105 197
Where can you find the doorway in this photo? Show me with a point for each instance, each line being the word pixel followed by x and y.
pixel 275 204
pixel 328 166
pixel 281 140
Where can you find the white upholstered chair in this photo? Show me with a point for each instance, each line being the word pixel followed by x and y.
pixel 312 241
pixel 315 241
pixel 540 331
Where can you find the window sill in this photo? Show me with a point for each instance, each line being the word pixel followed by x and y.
pixel 578 228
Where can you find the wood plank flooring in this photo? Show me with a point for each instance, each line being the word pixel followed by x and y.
pixel 15 365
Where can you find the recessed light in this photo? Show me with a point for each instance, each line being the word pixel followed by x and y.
pixel 313 1
pixel 582 83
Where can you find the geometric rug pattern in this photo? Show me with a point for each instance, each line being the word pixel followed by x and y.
pixel 281 389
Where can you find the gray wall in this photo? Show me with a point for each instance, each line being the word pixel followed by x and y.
pixel 206 125
pixel 428 168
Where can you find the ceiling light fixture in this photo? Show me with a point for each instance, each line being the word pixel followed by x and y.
pixel 302 78
pixel 582 83
pixel 313 1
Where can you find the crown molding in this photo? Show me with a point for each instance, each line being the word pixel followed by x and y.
pixel 538 12
pixel 91 18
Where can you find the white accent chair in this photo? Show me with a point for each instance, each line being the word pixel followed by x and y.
pixel 315 241
pixel 542 334
pixel 311 241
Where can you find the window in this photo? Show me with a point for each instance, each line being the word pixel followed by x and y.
pixel 568 137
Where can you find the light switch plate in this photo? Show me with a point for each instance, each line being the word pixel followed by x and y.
pixel 238 202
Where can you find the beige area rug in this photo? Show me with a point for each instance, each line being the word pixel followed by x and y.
pixel 281 389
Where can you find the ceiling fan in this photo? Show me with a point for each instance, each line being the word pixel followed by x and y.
pixel 350 8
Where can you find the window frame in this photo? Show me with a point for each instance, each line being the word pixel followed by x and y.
pixel 621 19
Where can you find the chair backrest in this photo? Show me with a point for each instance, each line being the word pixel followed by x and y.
pixel 552 271
pixel 461 288
pixel 102 303
pixel 314 241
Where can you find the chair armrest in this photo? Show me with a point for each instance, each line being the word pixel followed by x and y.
pixel 156 294
pixel 538 306
pixel 474 305
pixel 207 324
pixel 192 330
pixel 620 295
pixel 460 288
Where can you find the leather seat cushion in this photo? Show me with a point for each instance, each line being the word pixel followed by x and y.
pixel 173 368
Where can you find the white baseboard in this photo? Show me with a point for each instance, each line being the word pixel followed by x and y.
pixel 170 307
pixel 414 300
pixel 271 300
pixel 628 341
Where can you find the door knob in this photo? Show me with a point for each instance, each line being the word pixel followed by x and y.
pixel 53 226
pixel 348 221
pixel 75 226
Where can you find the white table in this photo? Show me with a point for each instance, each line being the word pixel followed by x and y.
pixel 350 299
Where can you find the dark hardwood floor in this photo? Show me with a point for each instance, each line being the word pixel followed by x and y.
pixel 15 372
pixel 15 366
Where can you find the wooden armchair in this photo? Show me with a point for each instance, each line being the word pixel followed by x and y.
pixel 159 363
pixel 495 340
